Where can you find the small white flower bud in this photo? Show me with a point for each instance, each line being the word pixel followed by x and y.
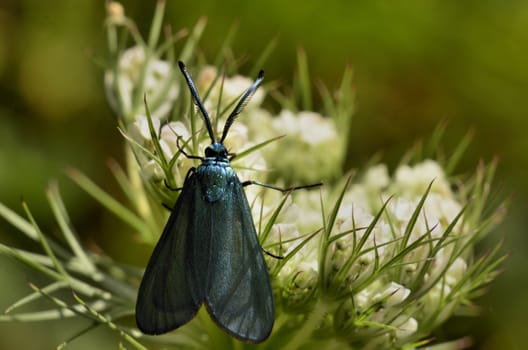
pixel 152 171
pixel 231 90
pixel 298 288
pixel 116 11
pixel 376 178
pixel 406 326
pixel 456 271
pixel 158 84
pixel 139 129
pixel 169 136
pixel 413 181
pixel 392 294
pixel 311 142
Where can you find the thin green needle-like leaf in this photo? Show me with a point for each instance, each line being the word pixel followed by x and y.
pixel 35 295
pixel 110 324
pixel 358 248
pixel 267 229
pixel 420 344
pixel 304 80
pixel 155 27
pixel 18 222
pixel 397 258
pixel 439 244
pixel 64 307
pixel 433 143
pixel 40 259
pixel 190 46
pixel 456 155
pixel 330 221
pixel 123 181
pixel 167 47
pixel 157 146
pixel 107 201
pixel 143 149
pixel 219 113
pixel 256 147
pixel 329 103
pixel 64 311
pixel 328 225
pixel 28 260
pixel 285 101
pixel 39 316
pixel 290 240
pixel 294 251
pixel 372 225
pixel 77 335
pixel 59 210
pixel 226 43
pixel 149 54
pixel 340 105
pixel 57 264
pixel 153 132
pixel 24 226
pixel 264 55
pixel 414 217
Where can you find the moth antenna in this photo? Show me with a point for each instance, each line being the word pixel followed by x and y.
pixel 197 100
pixel 242 103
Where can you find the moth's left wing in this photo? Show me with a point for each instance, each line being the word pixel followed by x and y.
pixel 169 294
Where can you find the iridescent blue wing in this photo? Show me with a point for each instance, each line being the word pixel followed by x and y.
pixel 169 295
pixel 238 292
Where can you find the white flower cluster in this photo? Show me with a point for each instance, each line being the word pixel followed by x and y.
pixel 315 150
pixel 362 244
pixel 137 74
pixel 231 89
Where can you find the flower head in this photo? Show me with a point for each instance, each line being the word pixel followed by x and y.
pixel 154 76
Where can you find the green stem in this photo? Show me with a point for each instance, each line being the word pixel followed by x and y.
pixel 303 334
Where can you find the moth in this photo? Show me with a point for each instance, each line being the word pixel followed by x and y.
pixel 209 253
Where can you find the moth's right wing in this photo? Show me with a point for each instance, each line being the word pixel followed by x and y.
pixel 169 295
pixel 238 292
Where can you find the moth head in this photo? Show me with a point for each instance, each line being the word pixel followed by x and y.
pixel 216 150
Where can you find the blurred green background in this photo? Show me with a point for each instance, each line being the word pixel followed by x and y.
pixel 416 63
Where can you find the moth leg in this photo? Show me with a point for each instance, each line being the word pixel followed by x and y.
pixel 174 189
pixel 183 151
pixel 189 173
pixel 278 257
pixel 166 206
pixel 283 190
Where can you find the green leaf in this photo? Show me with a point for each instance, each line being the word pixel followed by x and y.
pixel 104 320
pixel 107 201
pixel 64 222
pixel 57 264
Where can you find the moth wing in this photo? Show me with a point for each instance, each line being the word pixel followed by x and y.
pixel 169 295
pixel 238 292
